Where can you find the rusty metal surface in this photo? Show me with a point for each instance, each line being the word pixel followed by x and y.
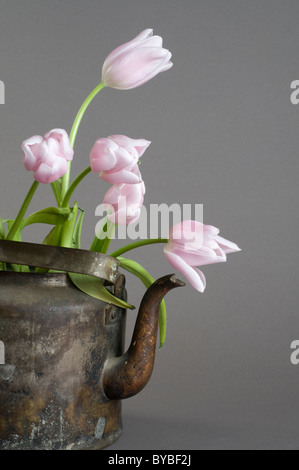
pixel 60 259
pixel 65 370
pixel 127 375
pixel 57 340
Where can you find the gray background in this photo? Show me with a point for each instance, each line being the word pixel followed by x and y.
pixel 224 134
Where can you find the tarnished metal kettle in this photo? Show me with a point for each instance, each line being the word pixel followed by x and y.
pixel 63 371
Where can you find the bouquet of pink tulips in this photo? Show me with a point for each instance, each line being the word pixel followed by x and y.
pixel 116 160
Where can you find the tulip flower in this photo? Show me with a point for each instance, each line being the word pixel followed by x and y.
pixel 47 156
pixel 191 244
pixel 134 63
pixel 126 201
pixel 116 158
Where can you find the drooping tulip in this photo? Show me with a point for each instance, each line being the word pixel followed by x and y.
pixel 136 62
pixel 47 156
pixel 116 158
pixel 191 244
pixel 126 201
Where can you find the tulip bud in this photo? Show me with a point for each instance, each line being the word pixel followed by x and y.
pixel 47 156
pixel 116 158
pixel 126 201
pixel 136 62
pixel 191 244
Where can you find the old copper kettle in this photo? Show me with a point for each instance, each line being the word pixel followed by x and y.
pixel 63 371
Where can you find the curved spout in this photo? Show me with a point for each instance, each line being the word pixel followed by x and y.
pixel 127 375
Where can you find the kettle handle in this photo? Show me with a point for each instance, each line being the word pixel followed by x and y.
pixel 71 260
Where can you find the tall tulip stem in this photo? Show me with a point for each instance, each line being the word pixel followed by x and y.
pixel 73 186
pixel 74 131
pixel 22 211
pixel 134 245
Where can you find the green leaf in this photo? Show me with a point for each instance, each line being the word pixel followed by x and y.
pixel 104 235
pixel 50 215
pixel 76 241
pixel 53 237
pixel 95 288
pixel 2 229
pixel 136 269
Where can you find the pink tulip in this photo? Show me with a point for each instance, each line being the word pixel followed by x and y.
pixel 47 156
pixel 136 62
pixel 194 244
pixel 116 158
pixel 125 200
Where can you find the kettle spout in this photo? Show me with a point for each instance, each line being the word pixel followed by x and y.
pixel 127 375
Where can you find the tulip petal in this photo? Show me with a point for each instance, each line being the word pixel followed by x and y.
pixel 131 64
pixel 120 177
pixel 144 34
pixel 126 157
pixel 102 156
pixel 153 41
pixel 112 195
pixel 35 139
pixel 61 136
pixel 140 145
pixel 210 231
pixel 196 258
pixel 45 174
pixel 137 67
pixel 184 253
pixel 47 156
pixel 29 158
pixel 116 158
pixel 124 48
pixel 227 246
pixel 194 275
pixel 126 200
pixel 188 231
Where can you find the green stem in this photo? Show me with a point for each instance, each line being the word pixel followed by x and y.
pixel 82 110
pixel 56 193
pixel 98 239
pixel 101 243
pixel 73 186
pixel 68 229
pixel 134 245
pixel 22 211
pixel 74 130
pixel 110 229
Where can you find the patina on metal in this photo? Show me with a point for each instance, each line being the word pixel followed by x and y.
pixel 127 375
pixel 65 370
pixel 64 259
